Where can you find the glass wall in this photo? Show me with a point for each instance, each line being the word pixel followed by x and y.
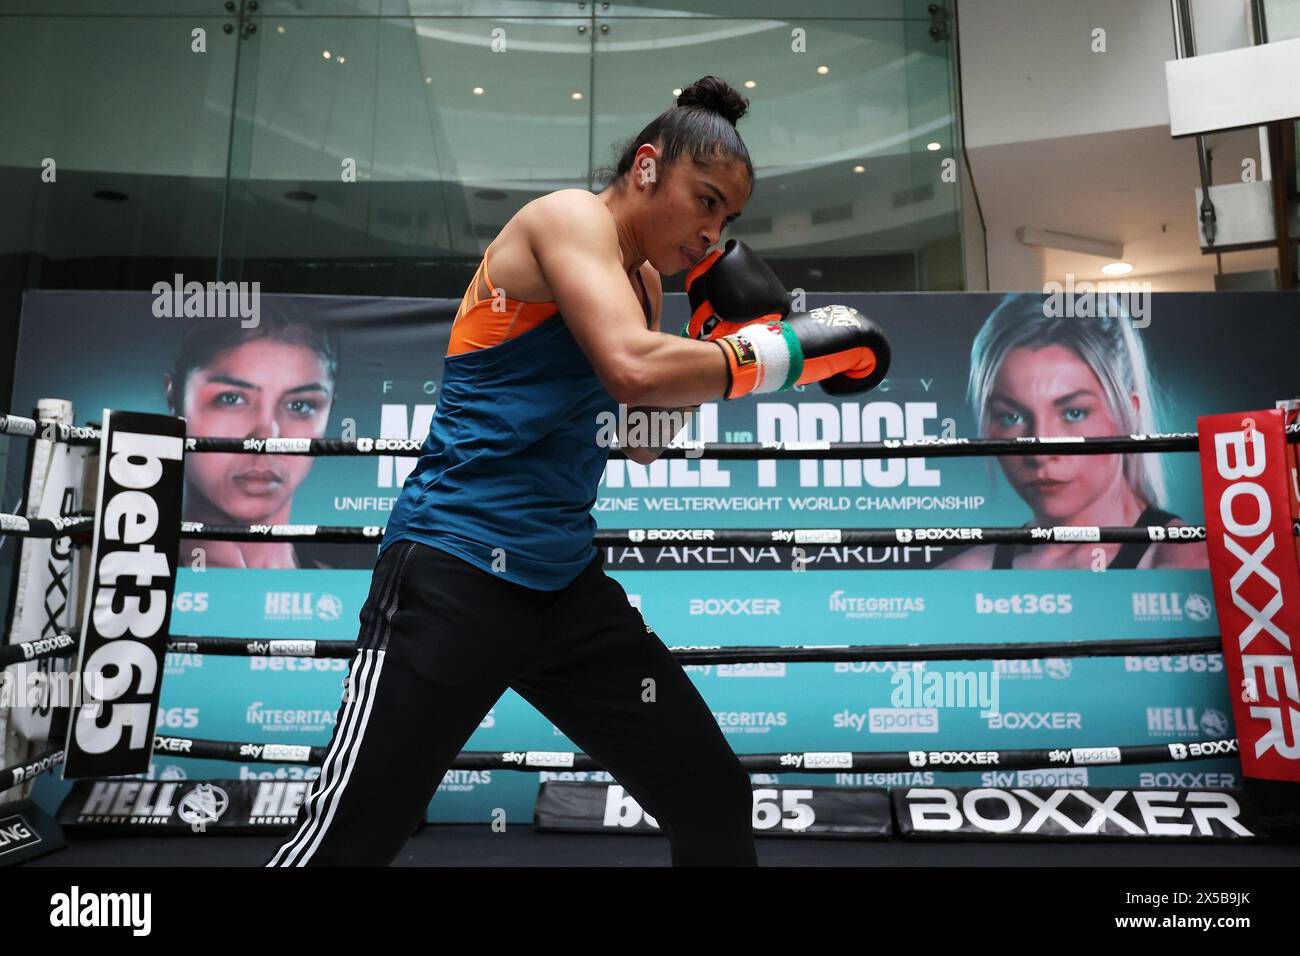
pixel 377 146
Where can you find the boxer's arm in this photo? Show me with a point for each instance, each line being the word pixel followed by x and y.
pixel 577 248
pixel 644 455
pixel 662 426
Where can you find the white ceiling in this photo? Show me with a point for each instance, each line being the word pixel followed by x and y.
pixel 1067 128
pixel 1136 187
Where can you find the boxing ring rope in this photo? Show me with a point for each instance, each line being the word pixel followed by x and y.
pixel 744 654
pixel 879 761
pixel 50 430
pixel 809 762
pixel 723 537
pixel 56 645
pixel 722 451
pixel 79 525
pixel 840 761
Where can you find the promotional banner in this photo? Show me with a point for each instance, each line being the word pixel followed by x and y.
pixel 124 627
pixel 964 366
pixel 27 831
pixel 1291 416
pixel 1089 813
pixel 1244 465
pixel 858 813
pixel 210 807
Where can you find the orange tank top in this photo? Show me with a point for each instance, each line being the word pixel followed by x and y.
pixel 481 323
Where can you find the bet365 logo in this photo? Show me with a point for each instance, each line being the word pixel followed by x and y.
pixel 1024 604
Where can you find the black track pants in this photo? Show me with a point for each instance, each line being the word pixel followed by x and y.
pixel 441 640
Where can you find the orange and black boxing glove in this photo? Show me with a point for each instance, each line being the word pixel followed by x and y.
pixel 730 288
pixel 835 345
pixel 734 294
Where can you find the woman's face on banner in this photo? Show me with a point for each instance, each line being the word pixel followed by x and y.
pixel 1051 392
pixel 261 389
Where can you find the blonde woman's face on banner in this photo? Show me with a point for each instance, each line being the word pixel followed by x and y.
pixel 1050 392
pixel 261 389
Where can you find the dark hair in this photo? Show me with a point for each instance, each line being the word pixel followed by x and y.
pixel 205 339
pixel 702 125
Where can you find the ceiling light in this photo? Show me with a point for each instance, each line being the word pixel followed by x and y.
pixel 933 147
pixel 823 70
pixel 859 169
pixel 325 53
pixel 750 84
pixel 478 91
pixel 1117 268
pixel 575 95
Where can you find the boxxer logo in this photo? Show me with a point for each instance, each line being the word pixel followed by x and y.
pixel 638 535
pixel 942 758
pixel 1249 463
pixel 366 445
pixel 1072 811
pixel 1175 533
pixel 714 606
pixel 1207 748
pixel 1246 492
pixel 907 535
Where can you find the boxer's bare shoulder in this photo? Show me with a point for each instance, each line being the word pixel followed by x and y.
pixel 553 219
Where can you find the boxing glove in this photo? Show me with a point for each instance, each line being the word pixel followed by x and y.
pixel 729 289
pixel 835 345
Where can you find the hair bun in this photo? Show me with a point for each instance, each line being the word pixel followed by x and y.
pixel 711 93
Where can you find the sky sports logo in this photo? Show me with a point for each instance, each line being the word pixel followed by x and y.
pixel 889 720
pixel 1046 777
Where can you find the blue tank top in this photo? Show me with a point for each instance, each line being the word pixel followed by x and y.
pixel 508 476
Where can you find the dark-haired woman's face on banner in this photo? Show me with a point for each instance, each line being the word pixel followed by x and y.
pixel 261 389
